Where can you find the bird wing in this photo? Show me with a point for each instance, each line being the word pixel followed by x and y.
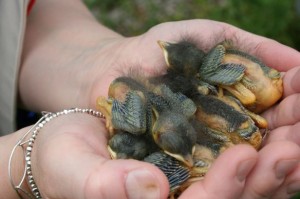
pixel 175 172
pixel 131 115
pixel 212 60
pixel 178 101
pixel 225 74
pixel 213 71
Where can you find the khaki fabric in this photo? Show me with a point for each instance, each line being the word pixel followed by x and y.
pixel 12 26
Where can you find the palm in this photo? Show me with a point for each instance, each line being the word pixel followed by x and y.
pixel 80 162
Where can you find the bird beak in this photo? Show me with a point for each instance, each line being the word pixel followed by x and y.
pixel 187 159
pixel 113 154
pixel 163 45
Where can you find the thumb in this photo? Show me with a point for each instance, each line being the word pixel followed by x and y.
pixel 126 179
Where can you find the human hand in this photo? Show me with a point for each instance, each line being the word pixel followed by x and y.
pixel 266 174
pixel 70 160
pixel 143 52
pixel 95 69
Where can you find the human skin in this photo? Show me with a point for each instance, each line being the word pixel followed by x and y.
pixel 69 59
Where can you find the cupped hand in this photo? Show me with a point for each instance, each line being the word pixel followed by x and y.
pixel 74 160
pixel 70 160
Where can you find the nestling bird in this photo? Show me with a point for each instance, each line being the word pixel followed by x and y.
pixel 129 115
pixel 185 58
pixel 264 82
pixel 227 120
pixel 175 135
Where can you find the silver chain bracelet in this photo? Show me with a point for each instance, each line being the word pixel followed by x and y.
pixel 27 146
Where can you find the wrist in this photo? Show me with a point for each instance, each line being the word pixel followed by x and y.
pixel 17 165
pixel 57 53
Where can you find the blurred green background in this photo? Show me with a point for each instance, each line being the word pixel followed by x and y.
pixel 276 19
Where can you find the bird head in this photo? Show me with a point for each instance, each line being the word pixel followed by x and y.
pixel 183 57
pixel 175 136
pixel 124 145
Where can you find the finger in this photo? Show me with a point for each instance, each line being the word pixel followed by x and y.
pixel 226 177
pixel 276 55
pixel 275 162
pixel 291 185
pixel 288 133
pixel 126 179
pixel 291 81
pixel 287 112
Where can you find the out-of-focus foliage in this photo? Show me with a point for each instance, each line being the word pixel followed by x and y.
pixel 275 19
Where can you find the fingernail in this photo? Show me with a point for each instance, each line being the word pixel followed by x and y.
pixel 294 187
pixel 142 184
pixel 244 169
pixel 283 167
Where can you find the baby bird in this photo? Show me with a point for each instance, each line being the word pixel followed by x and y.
pixel 127 107
pixel 185 58
pixel 171 128
pixel 129 115
pixel 227 120
pixel 263 82
pixel 175 135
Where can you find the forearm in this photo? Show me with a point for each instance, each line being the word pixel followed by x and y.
pixel 17 167
pixel 59 35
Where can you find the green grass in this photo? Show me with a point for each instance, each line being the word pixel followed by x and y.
pixel 276 19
